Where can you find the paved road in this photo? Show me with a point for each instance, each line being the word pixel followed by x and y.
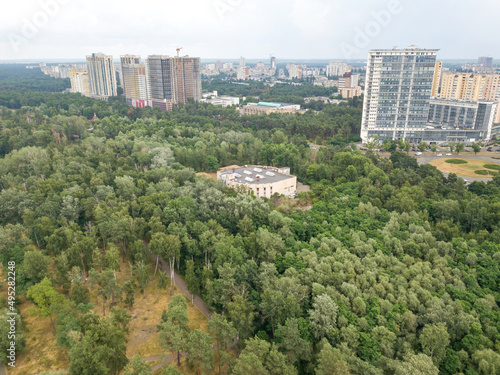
pixel 425 159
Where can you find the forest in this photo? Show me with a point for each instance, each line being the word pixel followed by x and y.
pixel 384 267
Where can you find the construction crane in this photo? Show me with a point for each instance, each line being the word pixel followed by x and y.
pixel 178 49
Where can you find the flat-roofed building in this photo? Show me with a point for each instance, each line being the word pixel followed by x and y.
pixel 263 181
pixel 350 92
pixel 264 108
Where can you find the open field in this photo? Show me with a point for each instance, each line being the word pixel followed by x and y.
pixel 463 170
pixel 42 352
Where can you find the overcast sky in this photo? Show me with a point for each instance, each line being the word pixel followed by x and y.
pixel 288 29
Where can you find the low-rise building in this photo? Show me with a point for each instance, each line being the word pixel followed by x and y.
pixel 263 181
pixel 264 108
pixel 350 92
pixel 222 101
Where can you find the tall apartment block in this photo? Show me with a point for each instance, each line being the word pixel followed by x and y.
pixel 486 62
pixel 80 81
pixel 397 93
pixel 175 79
pixel 135 85
pixel 337 69
pixel 102 76
pixel 469 86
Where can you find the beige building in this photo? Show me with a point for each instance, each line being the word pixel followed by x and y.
pixel 263 108
pixel 80 81
pixel 469 86
pixel 350 92
pixel 436 82
pixel 263 181
pixel 134 78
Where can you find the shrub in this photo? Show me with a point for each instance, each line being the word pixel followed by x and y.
pixel 457 161
pixel 492 166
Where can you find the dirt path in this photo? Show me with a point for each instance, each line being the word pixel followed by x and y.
pixel 181 284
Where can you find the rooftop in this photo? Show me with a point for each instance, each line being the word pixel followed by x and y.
pixel 254 175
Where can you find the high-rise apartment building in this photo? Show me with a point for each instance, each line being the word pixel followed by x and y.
pixel 397 93
pixel 242 61
pixel 102 76
pixel 176 79
pixel 273 62
pixel 80 81
pixel 337 69
pixel 134 79
pixel 486 62
pixel 243 73
pixel 294 71
pixel 469 86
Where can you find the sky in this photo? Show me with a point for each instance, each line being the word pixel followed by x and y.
pixel 228 29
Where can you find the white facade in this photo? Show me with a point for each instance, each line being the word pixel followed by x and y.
pixel 264 182
pixel 337 69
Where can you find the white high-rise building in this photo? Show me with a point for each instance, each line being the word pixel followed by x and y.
pixel 398 89
pixel 102 75
pixel 337 69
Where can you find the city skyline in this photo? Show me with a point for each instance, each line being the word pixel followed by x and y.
pixel 226 29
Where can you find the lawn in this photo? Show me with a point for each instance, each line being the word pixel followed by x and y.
pixel 463 170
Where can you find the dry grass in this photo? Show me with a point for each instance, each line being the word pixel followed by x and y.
pixel 42 352
pixel 463 170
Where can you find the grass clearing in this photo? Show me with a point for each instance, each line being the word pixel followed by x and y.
pixel 43 354
pixel 464 170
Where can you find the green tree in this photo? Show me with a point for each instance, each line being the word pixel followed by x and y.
pixel 172 338
pixel 295 347
pixel 241 313
pixel 323 316
pixel 476 147
pixel 415 364
pixel 129 290
pixel 137 367
pixel 434 340
pixel 331 362
pixel 80 293
pixel 191 280
pixel 459 147
pixel 260 357
pixel 140 272
pixel 199 351
pixel 222 332
pixel 46 298
pixel 35 266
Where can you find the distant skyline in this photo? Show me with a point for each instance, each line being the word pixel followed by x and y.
pixel 227 29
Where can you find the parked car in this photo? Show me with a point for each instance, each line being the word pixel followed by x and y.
pixel 418 153
pixel 489 149
pixel 439 154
